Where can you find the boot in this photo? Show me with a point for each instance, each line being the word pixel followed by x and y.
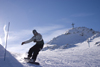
pixel 32 60
pixel 26 57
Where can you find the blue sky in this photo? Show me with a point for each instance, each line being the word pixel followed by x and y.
pixel 49 17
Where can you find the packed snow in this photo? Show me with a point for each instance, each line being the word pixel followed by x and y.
pixel 10 60
pixel 77 47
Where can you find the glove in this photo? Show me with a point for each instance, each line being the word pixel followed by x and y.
pixel 23 43
pixel 35 40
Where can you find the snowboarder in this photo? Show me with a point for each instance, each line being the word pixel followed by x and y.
pixel 34 50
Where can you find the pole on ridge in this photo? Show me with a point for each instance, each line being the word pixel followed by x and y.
pixel 6 41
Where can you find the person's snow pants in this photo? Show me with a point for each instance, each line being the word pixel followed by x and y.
pixel 34 51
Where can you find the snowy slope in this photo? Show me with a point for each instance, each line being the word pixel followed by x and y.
pixel 10 61
pixel 71 37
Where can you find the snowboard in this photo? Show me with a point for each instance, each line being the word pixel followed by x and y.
pixel 27 60
pixel 36 63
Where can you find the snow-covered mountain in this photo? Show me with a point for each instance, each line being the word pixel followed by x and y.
pixel 72 37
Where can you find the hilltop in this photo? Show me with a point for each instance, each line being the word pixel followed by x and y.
pixel 72 37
